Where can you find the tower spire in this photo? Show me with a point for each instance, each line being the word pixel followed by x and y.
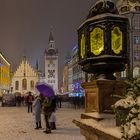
pixel 37 66
pixel 51 38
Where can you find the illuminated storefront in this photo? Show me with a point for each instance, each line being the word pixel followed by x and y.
pixel 4 75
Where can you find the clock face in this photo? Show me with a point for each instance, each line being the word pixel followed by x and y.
pixel 51 73
pixel 97 41
pixel 82 44
pixel 116 40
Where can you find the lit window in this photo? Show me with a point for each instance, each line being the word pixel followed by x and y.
pixel 136 39
pixel 16 85
pixel 32 84
pixel 24 84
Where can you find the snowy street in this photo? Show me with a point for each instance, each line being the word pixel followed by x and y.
pixel 17 124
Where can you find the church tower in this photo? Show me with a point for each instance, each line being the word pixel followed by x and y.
pixel 51 64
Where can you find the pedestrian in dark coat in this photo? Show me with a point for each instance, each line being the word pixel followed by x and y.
pixel 29 102
pixel 47 110
pixel 37 111
pixel 53 116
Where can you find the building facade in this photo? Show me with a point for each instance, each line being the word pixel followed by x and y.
pixel 51 64
pixel 79 76
pixel 75 76
pixel 70 77
pixel 24 78
pixel 131 9
pixel 65 78
pixel 4 75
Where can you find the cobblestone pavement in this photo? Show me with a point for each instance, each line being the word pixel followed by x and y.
pixel 17 124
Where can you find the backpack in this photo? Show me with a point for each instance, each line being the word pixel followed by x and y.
pixel 30 99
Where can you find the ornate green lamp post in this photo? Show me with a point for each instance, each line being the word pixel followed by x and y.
pixel 103 41
pixel 103 46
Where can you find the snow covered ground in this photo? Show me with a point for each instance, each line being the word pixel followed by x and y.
pixel 17 124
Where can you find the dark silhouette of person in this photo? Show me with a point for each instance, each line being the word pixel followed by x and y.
pixel 30 102
pixel 60 101
pixel 18 100
pixel 53 117
pixel 47 110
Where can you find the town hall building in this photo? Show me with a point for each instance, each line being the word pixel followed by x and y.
pixel 24 78
pixel 51 64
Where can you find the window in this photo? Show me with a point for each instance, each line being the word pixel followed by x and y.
pixel 136 39
pixel 32 84
pixel 16 85
pixel 123 74
pixel 24 84
pixel 136 71
pixel 136 55
pixel 137 23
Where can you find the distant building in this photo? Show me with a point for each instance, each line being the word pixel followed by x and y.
pixel 78 76
pixel 66 73
pixel 24 78
pixel 4 75
pixel 70 77
pixel 65 78
pixel 131 9
pixel 73 75
pixel 51 64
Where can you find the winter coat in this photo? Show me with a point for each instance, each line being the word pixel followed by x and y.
pixel 46 106
pixel 52 117
pixel 37 109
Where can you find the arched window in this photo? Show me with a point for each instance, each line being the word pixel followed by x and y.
pixel 24 84
pixel 32 84
pixel 16 85
pixel 136 71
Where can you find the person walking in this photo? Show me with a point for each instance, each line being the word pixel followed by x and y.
pixel 53 116
pixel 47 110
pixel 29 102
pixel 37 111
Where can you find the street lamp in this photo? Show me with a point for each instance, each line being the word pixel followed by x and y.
pixel 103 41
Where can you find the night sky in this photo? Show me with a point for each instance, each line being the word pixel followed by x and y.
pixel 25 26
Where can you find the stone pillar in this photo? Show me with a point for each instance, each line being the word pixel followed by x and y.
pixel 98 122
pixel 101 94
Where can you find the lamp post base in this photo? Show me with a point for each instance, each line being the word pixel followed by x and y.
pixel 101 94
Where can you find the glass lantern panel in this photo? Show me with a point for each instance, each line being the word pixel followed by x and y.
pixel 116 40
pixel 97 40
pixel 82 44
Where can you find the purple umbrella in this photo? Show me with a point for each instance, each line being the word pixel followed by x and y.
pixel 45 89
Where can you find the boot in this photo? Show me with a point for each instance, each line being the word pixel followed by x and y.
pixel 40 124
pixel 51 125
pixel 54 125
pixel 36 126
pixel 47 131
